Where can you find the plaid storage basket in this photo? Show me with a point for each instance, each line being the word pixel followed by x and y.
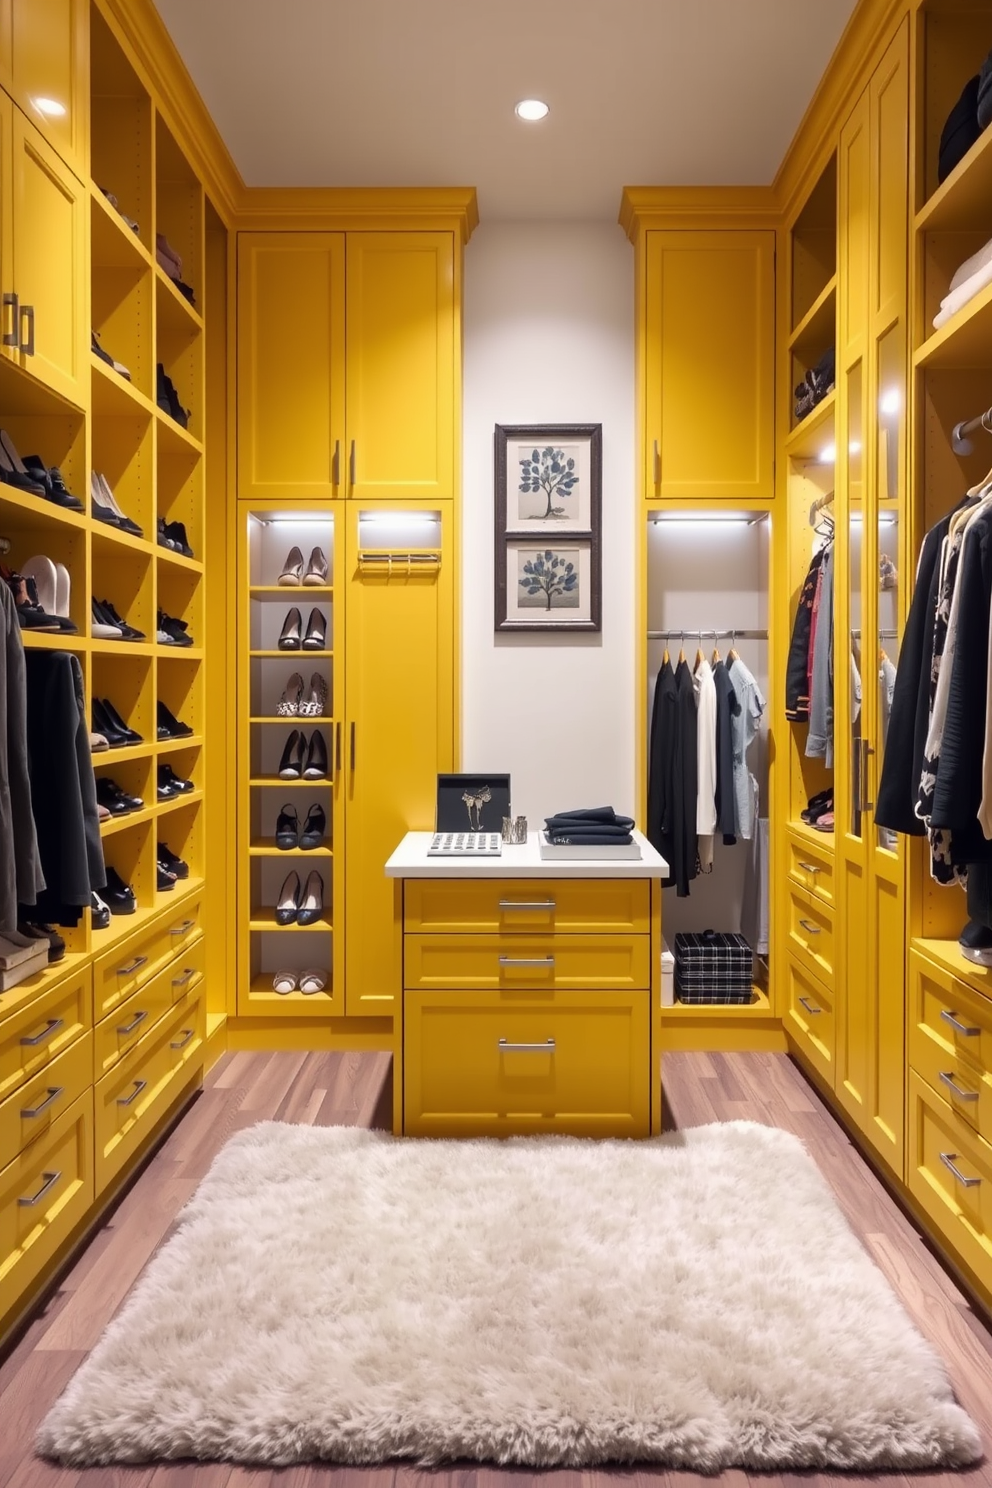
pixel 713 966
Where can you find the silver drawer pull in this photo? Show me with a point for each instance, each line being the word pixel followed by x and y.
pixel 810 867
pixel 187 974
pixel 548 1047
pixel 545 961
pixel 960 1027
pixel 965 1095
pixel 128 1100
pixel 183 928
pixel 181 1043
pixel 127 1028
pixel 132 966
pixel 809 928
pixel 52 1026
pixel 948 1159
pixel 54 1091
pixel 50 1181
pixel 536 904
pixel 810 1006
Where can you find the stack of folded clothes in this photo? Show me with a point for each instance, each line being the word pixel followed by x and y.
pixel 968 280
pixel 597 826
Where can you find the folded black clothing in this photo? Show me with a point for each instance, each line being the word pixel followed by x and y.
pixel 591 829
pixel 588 839
pixel 594 816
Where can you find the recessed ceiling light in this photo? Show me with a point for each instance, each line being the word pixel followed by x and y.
pixel 50 106
pixel 531 109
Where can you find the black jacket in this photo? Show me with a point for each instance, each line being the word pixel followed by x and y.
pixel 727 704
pixel 661 763
pixel 797 666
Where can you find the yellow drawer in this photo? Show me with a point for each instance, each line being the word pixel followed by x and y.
pixel 131 963
pixel 501 1062
pixel 138 1014
pixel 612 963
pixel 44 1193
pixel 812 868
pixel 445 906
pixel 810 1019
pixel 950 1042
pixel 811 934
pixel 35 1105
pixel 950 1174
pixel 41 1029
pixel 143 1083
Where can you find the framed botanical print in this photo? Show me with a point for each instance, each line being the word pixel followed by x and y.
pixel 548 514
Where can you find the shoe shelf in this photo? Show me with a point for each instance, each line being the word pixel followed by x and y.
pixel 114 539
pixel 115 824
pixel 185 741
pixel 38 640
pixel 172 560
pixel 173 438
pixel 263 918
pixel 263 991
pixel 114 397
pixel 271 782
pixel 177 318
pixel 810 437
pixel 112 243
pixel 321 655
pixel 288 590
pixel 188 798
pixel 265 847
pixel 22 512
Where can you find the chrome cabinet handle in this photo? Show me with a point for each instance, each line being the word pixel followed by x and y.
pixel 132 966
pixel 27 314
pixel 54 1091
pixel 809 1006
pixel 547 961
pixel 187 974
pixel 657 464
pixel 52 1026
pixel 810 929
pixel 351 465
pixel 965 1095
pixel 183 928
pixel 12 303
pixel 949 1159
pixel 129 1100
pixel 523 904
pixel 336 464
pixel 127 1028
pixel 50 1181
pixel 505 1047
pixel 181 1043
pixel 810 867
pixel 960 1027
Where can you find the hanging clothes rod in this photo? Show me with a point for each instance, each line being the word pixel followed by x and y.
pixel 818 506
pixel 883 635
pixel 705 635
pixel 960 443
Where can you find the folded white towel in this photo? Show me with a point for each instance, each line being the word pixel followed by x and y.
pixel 952 303
pixel 971 266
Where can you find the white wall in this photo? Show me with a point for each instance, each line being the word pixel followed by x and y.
pixel 549 338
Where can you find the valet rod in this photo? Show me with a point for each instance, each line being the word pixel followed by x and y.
pixel 960 443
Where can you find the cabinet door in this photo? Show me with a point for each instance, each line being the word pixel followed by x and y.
pixel 49 48
pixel 6 45
pixel 708 362
pixel 50 264
pixel 401 365
pixel 290 365
pixel 7 326
pixel 398 733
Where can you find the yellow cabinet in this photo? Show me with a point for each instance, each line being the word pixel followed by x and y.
pixel 44 47
pixel 48 265
pixel 708 360
pixel 346 365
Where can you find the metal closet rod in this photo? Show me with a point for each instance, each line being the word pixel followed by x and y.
pixel 882 635
pixel 716 635
pixel 960 443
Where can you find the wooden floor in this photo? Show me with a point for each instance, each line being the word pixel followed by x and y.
pixel 353 1089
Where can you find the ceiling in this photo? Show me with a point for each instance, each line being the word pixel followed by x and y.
pixel 421 92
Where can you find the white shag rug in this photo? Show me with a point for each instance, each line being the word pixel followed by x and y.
pixel 695 1300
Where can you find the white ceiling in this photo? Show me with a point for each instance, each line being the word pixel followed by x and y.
pixel 421 92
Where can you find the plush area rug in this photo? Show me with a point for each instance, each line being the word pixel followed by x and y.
pixel 696 1300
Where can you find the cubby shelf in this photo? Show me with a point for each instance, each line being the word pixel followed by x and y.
pixel 113 245
pixel 115 538
pixel 294 719
pixel 115 824
pixel 25 510
pixel 38 640
pixel 759 1004
pixel 289 655
pixel 173 439
pixel 824 840
pixel 103 647
pixel 188 798
pixel 263 991
pixel 114 396
pixel 125 756
pixel 290 589
pixel 265 847
pixel 188 741
pixel 175 313
pixel 178 653
pixel 264 919
pixel 807 439
pixel 270 782
pixel 963 200
pixel 178 560
pixel 965 340
pixel 818 328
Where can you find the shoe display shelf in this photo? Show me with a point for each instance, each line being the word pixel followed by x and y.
pixel 266 666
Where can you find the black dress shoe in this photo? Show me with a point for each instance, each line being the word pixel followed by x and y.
pixel 164 879
pixel 288 828
pixel 178 786
pixel 54 486
pixel 110 795
pixel 316 765
pixel 172 632
pixel 117 723
pixel 46 935
pixel 116 736
pixel 127 631
pixel 164 540
pixel 289 636
pixel 12 470
pixel 291 764
pixel 118 895
pixel 176 533
pixel 169 860
pixel 99 913
pixel 313 828
pixel 169 727
pixel 316 636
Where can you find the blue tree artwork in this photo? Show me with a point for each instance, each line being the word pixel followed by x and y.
pixel 549 472
pixel 550 579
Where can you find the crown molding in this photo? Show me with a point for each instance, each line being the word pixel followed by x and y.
pixel 643 208
pixel 368 208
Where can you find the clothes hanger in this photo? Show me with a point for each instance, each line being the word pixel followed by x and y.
pixel 716 651
pixel 881 654
pixel 4 544
pixel 682 648
pixel 732 653
pixel 664 659
pixel 699 651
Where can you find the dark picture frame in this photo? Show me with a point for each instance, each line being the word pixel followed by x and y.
pixel 547 553
pixel 472 803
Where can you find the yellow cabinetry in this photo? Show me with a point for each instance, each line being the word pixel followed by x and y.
pixel 708 324
pixel 44 66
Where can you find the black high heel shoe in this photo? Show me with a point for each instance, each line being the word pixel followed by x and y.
pixel 289 900
pixel 314 828
pixel 117 725
pixel 291 764
pixel 12 471
pixel 289 636
pixel 169 727
pixel 288 828
pixel 310 904
pixel 316 765
pixel 316 636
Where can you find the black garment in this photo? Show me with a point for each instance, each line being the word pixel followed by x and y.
pixel 980 893
pixel 20 866
pixel 63 789
pixel 727 705
pixel 598 826
pixel 661 762
pixel 684 848
pixel 797 666
pixel 960 130
pixel 909 720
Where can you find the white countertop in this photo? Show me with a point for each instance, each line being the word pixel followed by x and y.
pixel 410 860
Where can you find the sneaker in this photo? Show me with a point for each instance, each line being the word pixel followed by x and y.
pixel 975 943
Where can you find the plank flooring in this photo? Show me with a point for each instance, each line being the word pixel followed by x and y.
pixel 354 1089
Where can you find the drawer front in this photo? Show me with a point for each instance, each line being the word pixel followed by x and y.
pixel 35 1035
pixel 501 1062
pixel 950 1042
pixel 129 965
pixel 44 1193
pixel 140 1087
pixel 950 1174
pixel 137 1015
pixel 527 906
pixel 812 869
pixel 810 1019
pixel 612 963
pixel 40 1101
pixel 811 934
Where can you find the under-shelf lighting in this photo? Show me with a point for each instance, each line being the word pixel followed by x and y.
pixel 50 107
pixel 706 519
pixel 828 454
pixel 399 519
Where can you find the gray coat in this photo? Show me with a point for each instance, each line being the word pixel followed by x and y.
pixel 21 878
pixel 820 739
